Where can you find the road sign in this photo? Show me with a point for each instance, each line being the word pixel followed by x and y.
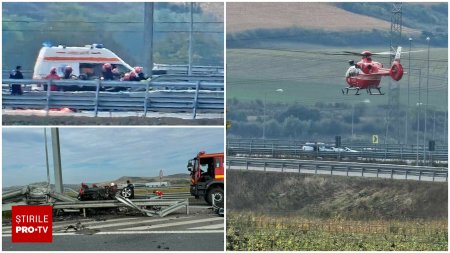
pixel 375 139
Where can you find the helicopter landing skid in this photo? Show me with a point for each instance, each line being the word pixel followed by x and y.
pixel 378 89
pixel 350 88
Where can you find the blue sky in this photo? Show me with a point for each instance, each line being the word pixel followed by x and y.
pixel 102 154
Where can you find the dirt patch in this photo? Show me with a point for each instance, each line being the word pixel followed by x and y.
pixel 69 120
pixel 335 196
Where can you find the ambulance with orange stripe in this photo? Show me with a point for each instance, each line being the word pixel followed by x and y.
pixel 86 62
pixel 207 177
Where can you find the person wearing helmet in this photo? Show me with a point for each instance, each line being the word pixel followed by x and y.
pixel 139 73
pixel 53 76
pixel 107 73
pixel 134 76
pixel 126 77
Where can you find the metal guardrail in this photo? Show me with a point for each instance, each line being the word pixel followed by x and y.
pixel 196 94
pixel 334 167
pixel 411 148
pixel 284 150
pixel 171 204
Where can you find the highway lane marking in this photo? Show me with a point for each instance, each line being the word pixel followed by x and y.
pixel 214 226
pixel 134 222
pixel 221 231
pixel 170 224
pixel 67 223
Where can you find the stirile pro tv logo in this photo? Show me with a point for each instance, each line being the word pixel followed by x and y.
pixel 32 224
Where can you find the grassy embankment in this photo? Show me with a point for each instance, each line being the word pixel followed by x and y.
pixel 281 211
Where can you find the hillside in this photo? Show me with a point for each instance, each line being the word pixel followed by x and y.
pixel 335 196
pixel 327 16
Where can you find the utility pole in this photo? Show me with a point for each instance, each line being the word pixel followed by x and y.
pixel 148 38
pixel 407 108
pixel 59 188
pixel 46 158
pixel 191 29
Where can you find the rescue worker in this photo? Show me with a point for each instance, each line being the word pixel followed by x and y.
pixel 53 76
pixel 116 73
pixel 107 73
pixel 16 89
pixel 139 73
pixel 68 72
pixel 126 77
pixel 134 76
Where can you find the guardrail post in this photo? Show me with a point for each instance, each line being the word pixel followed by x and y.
pixel 187 206
pixel 299 168
pixel 348 168
pixel 362 172
pixel 246 164
pixel 331 169
pixel 97 91
pixel 265 165
pixel 378 171
pixel 146 98
pixel 392 173
pixel 434 175
pixel 194 111
pixel 47 108
pixel 406 174
pixel 420 175
pixel 316 169
pixel 282 167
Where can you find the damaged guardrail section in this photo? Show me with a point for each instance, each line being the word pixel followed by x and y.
pixel 40 195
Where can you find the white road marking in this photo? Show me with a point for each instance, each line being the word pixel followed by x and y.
pixel 143 232
pixel 55 226
pixel 132 223
pixel 171 224
pixel 214 226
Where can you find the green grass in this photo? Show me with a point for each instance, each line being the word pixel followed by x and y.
pixel 309 76
pixel 257 233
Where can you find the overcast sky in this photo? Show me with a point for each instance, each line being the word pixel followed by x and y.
pixel 102 154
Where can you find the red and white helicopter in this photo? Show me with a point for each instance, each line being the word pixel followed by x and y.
pixel 366 74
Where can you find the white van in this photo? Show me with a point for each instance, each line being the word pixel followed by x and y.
pixel 86 62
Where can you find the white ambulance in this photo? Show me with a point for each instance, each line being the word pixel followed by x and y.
pixel 86 62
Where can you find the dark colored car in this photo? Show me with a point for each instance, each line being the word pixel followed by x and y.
pixel 104 193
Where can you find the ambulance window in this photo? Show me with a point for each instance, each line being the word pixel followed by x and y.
pixel 122 69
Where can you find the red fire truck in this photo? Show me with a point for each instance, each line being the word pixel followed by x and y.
pixel 207 177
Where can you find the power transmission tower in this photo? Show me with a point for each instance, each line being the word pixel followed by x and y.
pixel 394 88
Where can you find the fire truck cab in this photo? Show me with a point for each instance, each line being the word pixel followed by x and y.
pixel 207 177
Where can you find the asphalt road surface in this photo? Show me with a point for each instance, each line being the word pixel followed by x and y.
pixel 202 230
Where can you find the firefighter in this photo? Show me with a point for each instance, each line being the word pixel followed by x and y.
pixel 53 76
pixel 139 73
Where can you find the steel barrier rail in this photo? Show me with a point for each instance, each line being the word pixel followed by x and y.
pixel 333 167
pixel 365 155
pixel 359 146
pixel 186 94
pixel 172 205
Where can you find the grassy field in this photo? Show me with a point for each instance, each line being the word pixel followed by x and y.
pixel 248 16
pixel 310 76
pixel 256 233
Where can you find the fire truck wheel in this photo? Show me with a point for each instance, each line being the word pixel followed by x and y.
pixel 217 195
